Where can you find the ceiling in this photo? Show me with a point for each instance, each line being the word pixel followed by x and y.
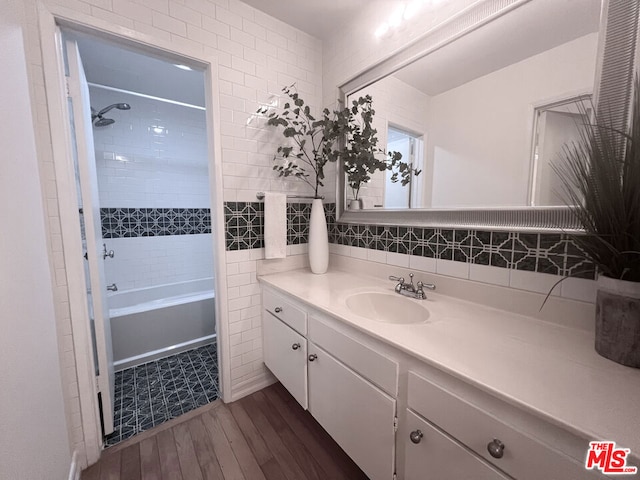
pixel 533 28
pixel 116 66
pixel 318 18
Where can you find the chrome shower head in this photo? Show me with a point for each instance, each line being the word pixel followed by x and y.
pixel 103 122
pixel 119 106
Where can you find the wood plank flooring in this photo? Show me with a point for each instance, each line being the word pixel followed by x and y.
pixel 265 436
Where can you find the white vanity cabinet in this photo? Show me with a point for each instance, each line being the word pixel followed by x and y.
pixel 400 417
pixel 328 380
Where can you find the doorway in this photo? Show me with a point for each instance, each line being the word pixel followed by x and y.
pixel 410 146
pixel 141 159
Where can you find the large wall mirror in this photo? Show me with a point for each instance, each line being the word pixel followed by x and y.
pixel 483 113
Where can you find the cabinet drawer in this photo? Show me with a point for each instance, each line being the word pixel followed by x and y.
pixel 370 364
pixel 285 354
pixel 285 311
pixel 523 457
pixel 437 456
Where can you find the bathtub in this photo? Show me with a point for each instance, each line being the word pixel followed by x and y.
pixel 154 322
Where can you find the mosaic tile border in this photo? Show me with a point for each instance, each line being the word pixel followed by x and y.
pixel 555 254
pixel 244 224
pixel 154 222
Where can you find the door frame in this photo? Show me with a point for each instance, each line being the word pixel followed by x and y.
pixel 50 18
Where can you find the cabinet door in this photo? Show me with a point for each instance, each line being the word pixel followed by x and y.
pixel 437 456
pixel 285 354
pixel 358 415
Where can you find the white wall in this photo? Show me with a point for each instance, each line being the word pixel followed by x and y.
pixel 34 439
pixel 479 138
pixel 257 55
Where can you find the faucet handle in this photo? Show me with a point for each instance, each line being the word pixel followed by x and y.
pixel 429 286
pixel 396 279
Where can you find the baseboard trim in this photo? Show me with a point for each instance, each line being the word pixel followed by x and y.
pixel 251 386
pixel 74 469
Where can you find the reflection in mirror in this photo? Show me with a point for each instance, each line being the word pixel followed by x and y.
pixel 556 125
pixel 474 105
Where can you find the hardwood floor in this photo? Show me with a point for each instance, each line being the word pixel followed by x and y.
pixel 265 436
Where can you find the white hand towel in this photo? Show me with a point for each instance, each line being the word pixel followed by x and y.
pixel 275 225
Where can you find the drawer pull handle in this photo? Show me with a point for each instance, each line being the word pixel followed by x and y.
pixel 295 346
pixel 416 436
pixel 278 309
pixel 312 357
pixel 496 448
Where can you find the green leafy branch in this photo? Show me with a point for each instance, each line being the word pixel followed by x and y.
pixel 362 157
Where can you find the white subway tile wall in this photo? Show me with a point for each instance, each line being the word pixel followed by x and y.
pixel 153 156
pixel 149 261
pixel 257 56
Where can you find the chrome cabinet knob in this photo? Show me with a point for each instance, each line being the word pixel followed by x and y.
pixel 278 309
pixel 312 357
pixel 295 346
pixel 416 436
pixel 496 448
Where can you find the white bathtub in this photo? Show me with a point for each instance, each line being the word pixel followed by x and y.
pixel 150 323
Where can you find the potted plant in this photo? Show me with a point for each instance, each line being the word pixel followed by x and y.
pixel 601 177
pixel 311 144
pixel 361 156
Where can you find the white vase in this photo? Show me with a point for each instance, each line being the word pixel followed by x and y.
pixel 318 239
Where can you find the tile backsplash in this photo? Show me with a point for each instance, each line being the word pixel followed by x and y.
pixel 244 224
pixel 553 254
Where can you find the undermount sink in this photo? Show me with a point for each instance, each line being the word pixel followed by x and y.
pixel 387 307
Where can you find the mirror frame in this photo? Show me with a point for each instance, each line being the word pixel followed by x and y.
pixel 612 93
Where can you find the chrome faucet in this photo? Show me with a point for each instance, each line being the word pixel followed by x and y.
pixel 409 290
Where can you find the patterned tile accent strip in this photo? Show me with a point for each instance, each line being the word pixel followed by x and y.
pixel 244 224
pixel 244 229
pixel 150 394
pixel 153 222
pixel 537 252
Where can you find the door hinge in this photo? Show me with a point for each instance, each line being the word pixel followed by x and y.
pixel 395 424
pixel 66 86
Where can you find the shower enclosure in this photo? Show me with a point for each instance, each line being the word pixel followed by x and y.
pixel 146 161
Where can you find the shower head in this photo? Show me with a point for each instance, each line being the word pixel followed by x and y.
pixel 119 106
pixel 103 122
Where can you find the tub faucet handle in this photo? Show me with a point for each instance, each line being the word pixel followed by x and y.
pixel 112 288
pixel 106 254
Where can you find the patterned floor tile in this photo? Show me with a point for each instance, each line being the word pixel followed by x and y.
pixel 150 394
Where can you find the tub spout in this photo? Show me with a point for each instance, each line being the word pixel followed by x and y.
pixel 112 288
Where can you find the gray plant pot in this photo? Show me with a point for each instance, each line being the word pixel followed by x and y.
pixel 355 204
pixel 618 321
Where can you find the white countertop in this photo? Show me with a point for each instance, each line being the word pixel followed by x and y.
pixel 551 370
